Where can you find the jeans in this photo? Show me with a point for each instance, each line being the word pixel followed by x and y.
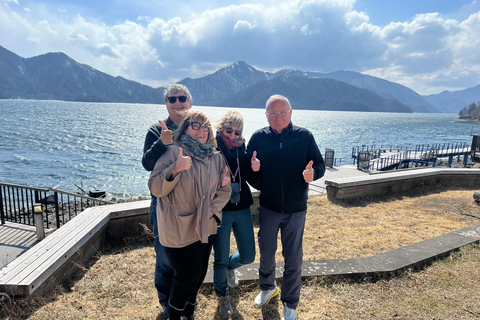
pixel 292 226
pixel 241 224
pixel 163 269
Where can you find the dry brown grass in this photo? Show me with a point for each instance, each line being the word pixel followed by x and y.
pixel 119 284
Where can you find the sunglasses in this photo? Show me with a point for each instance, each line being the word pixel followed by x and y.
pixel 197 125
pixel 182 99
pixel 238 133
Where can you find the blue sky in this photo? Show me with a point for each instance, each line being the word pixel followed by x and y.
pixel 427 45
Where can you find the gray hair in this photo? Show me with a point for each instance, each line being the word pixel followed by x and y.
pixel 231 118
pixel 170 91
pixel 277 97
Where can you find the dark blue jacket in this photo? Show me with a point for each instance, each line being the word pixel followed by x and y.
pixel 283 159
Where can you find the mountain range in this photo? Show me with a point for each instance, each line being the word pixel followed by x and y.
pixel 55 76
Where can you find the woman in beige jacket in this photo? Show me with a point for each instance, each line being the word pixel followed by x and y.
pixel 187 180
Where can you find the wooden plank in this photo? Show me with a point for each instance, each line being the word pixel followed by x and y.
pixel 38 265
pixel 129 209
pixel 44 245
pixel 64 241
pixel 34 281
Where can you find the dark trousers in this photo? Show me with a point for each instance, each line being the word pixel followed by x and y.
pixel 190 264
pixel 291 226
pixel 163 268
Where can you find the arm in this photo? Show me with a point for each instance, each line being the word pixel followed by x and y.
pixel 163 177
pixel 153 148
pixel 222 196
pixel 252 177
pixel 315 155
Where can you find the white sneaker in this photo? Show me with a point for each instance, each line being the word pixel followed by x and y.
pixel 232 279
pixel 265 296
pixel 289 314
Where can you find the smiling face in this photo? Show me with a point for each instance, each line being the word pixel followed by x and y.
pixel 175 109
pixel 198 130
pixel 278 114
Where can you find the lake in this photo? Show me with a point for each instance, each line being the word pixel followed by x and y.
pixel 58 144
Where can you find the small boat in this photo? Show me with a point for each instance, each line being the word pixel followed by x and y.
pixel 96 193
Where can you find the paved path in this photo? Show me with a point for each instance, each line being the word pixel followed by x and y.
pixel 17 238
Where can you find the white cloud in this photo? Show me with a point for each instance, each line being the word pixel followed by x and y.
pixel 316 35
pixel 243 25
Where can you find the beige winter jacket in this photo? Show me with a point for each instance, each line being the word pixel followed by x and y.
pixel 187 204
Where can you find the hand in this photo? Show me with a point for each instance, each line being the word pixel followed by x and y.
pixel 308 172
pixel 166 134
pixel 255 162
pixel 225 177
pixel 183 162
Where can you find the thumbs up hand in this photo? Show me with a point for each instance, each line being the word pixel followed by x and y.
pixel 166 134
pixel 308 173
pixel 225 177
pixel 183 162
pixel 255 162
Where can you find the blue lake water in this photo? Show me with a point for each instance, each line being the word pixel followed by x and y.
pixel 57 144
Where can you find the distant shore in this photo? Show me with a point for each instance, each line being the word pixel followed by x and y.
pixel 468 121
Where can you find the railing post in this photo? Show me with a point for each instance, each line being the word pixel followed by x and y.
pixel 450 160
pixel 57 209
pixel 37 209
pixel 2 213
pixel 465 159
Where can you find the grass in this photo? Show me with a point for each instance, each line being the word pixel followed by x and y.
pixel 118 284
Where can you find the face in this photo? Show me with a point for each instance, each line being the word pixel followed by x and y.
pixel 198 134
pixel 274 117
pixel 232 132
pixel 175 108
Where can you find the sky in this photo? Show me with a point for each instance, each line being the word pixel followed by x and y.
pixel 427 45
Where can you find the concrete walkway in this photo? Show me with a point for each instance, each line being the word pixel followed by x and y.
pixel 388 262
pixel 17 238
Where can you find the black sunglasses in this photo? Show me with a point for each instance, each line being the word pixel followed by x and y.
pixel 238 133
pixel 182 99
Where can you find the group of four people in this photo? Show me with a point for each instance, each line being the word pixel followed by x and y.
pixel 200 195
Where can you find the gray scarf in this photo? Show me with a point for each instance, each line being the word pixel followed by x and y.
pixel 198 149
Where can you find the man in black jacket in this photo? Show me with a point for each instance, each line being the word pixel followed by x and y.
pixel 289 159
pixel 177 100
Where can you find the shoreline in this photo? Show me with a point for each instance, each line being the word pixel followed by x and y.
pixel 468 121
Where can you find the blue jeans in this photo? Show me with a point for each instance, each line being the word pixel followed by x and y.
pixel 292 226
pixel 241 224
pixel 163 269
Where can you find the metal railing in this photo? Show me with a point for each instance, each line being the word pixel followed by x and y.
pixel 376 149
pixel 413 158
pixel 16 204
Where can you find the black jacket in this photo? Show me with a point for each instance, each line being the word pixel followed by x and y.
pixel 283 159
pixel 154 147
pixel 246 199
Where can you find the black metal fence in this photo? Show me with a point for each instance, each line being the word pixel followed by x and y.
pixel 16 204
pixel 369 161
